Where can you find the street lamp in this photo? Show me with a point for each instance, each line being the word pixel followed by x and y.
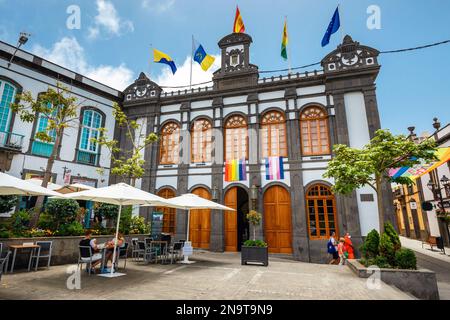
pixel 254 195
pixel 215 194
pixel 23 38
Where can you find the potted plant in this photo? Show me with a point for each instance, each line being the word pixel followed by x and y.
pixel 255 251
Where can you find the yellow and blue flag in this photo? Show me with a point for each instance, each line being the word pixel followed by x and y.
pixel 205 60
pixel 161 57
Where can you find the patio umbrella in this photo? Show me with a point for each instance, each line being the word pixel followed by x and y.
pixel 191 201
pixel 120 194
pixel 10 185
pixel 74 187
pixel 52 186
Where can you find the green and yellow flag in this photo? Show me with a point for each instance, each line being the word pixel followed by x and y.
pixel 284 42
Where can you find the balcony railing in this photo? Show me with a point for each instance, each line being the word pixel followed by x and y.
pixel 87 157
pixel 40 148
pixel 11 140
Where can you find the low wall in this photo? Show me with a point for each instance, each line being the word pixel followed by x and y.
pixel 420 283
pixel 64 249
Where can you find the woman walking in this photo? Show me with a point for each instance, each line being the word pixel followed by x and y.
pixel 331 247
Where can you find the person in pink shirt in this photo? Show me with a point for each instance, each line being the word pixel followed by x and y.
pixel 341 251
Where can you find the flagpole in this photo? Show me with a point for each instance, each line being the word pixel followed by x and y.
pixel 288 46
pixel 342 24
pixel 192 58
pixel 150 61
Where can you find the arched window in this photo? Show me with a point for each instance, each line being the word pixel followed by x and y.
pixel 273 129
pixel 40 147
pixel 87 149
pixel 170 139
pixel 314 132
pixel 7 96
pixel 169 214
pixel 235 138
pixel 201 142
pixel 321 211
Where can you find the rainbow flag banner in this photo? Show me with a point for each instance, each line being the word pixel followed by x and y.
pixel 274 168
pixel 235 170
pixel 443 154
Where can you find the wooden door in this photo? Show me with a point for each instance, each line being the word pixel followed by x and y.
pixel 169 213
pixel 230 220
pixel 277 220
pixel 200 223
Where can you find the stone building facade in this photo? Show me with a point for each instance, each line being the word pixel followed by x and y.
pixel 299 117
pixel 22 154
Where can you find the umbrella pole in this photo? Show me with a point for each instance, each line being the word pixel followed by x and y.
pixel 115 240
pixel 186 257
pixel 188 220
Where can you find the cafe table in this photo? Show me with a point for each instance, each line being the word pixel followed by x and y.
pixel 23 246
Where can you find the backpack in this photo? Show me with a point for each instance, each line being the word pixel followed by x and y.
pixel 331 247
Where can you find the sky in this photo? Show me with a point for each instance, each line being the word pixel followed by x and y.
pixel 114 39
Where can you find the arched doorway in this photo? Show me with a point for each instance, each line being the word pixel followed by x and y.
pixel 200 223
pixel 169 213
pixel 235 222
pixel 277 220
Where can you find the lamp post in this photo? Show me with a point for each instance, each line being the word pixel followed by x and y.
pixel 437 195
pixel 215 194
pixel 254 196
pixel 23 38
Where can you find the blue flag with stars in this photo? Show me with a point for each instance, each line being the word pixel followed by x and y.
pixel 333 27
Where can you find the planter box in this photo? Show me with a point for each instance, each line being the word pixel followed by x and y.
pixel 64 251
pixel 420 283
pixel 255 255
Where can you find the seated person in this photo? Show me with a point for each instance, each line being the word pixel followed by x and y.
pixel 89 242
pixel 110 246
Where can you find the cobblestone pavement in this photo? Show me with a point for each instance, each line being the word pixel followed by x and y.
pixel 213 276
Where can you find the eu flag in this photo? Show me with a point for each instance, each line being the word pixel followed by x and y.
pixel 333 27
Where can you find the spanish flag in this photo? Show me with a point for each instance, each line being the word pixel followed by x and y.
pixel 161 57
pixel 284 42
pixel 238 22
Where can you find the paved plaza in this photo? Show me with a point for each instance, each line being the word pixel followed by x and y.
pixel 214 276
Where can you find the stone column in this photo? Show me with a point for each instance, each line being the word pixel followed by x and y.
pixel 300 237
pixel 217 241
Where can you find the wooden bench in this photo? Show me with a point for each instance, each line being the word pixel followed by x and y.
pixel 432 242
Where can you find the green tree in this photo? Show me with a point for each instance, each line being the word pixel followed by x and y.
pixel 59 107
pixel 352 168
pixel 62 211
pixel 127 164
pixel 7 203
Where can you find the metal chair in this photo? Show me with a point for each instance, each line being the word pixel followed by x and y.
pixel 4 259
pixel 139 251
pixel 44 251
pixel 4 264
pixel 175 251
pixel 122 253
pixel 150 251
pixel 86 256
pixel 134 248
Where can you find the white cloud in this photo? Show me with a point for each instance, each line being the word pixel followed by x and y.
pixel 108 20
pixel 159 6
pixel 182 76
pixel 70 54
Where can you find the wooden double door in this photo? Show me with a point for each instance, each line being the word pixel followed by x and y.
pixel 277 220
pixel 200 223
pixel 236 226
